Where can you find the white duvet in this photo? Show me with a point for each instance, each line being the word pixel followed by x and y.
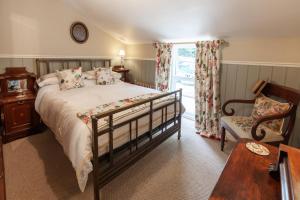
pixel 58 110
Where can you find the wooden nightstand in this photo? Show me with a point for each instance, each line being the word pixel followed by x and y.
pixel 17 96
pixel 122 71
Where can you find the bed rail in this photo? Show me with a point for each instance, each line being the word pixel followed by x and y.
pixel 121 158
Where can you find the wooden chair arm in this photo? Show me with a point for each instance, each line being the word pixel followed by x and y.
pixel 250 101
pixel 268 118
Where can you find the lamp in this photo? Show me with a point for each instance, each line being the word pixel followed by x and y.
pixel 122 55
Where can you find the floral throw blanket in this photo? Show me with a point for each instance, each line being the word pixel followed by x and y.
pixel 86 115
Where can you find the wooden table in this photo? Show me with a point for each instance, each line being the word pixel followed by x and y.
pixel 246 176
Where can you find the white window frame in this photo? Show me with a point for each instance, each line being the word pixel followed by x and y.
pixel 175 60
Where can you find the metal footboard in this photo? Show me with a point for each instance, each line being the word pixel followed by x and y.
pixel 113 163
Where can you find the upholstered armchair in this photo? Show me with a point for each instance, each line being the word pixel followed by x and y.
pixel 271 121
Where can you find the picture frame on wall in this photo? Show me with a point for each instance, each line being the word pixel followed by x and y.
pixel 79 32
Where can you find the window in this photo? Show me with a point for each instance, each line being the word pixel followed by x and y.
pixel 183 75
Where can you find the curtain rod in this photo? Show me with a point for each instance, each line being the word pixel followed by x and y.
pixel 183 42
pixel 194 42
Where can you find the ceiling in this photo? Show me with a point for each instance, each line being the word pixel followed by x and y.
pixel 143 21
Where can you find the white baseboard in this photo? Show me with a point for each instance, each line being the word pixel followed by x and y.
pixel 232 62
pixel 259 63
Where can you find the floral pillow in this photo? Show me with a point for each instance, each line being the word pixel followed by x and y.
pixel 116 75
pixel 265 106
pixel 70 78
pixel 104 76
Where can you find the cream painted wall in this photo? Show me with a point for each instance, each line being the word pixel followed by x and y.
pixel 41 27
pixel 43 30
pixel 282 50
pixel 277 50
pixel 140 51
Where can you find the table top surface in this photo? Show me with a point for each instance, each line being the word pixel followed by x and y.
pixel 246 175
pixel 121 70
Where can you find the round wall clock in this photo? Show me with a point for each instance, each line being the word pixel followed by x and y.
pixel 79 32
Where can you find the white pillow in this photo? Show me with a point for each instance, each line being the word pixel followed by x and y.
pixel 47 81
pixel 88 83
pixel 117 75
pixel 44 77
pixel 89 75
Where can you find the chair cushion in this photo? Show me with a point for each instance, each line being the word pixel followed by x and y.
pixel 265 106
pixel 242 127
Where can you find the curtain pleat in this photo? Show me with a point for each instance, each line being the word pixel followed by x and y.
pixel 207 88
pixel 163 65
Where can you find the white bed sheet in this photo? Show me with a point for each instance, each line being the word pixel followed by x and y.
pixel 58 110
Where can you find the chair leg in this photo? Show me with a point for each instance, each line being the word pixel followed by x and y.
pixel 222 138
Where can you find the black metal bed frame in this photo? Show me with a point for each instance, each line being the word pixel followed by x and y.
pixel 106 167
pixel 142 144
pixel 45 63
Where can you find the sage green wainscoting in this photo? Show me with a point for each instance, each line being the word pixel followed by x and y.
pixel 141 70
pixel 17 62
pixel 236 80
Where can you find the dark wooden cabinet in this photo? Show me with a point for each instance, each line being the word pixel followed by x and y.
pixel 19 116
pixel 17 103
pixel 2 176
pixel 246 176
pixel 287 170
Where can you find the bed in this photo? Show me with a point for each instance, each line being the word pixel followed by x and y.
pixel 114 139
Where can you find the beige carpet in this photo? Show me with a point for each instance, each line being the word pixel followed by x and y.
pixel 36 168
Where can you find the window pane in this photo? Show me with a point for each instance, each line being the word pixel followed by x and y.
pixel 185 63
pixel 184 76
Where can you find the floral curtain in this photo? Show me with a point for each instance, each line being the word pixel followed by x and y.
pixel 163 63
pixel 207 91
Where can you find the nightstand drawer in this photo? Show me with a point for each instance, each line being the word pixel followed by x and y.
pixel 18 116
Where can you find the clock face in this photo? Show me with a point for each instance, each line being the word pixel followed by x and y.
pixel 79 32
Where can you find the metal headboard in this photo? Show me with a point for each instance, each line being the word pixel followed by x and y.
pixel 46 66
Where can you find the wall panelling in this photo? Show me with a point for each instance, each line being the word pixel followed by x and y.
pixel 236 80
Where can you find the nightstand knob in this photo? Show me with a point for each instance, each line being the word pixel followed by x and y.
pixel 21 114
pixel 20 102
